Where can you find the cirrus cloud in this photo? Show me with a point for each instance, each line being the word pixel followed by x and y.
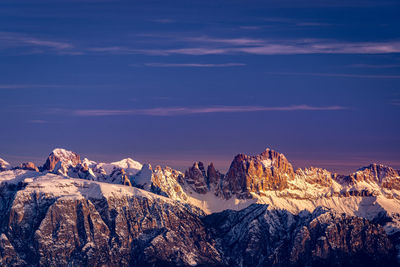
pixel 175 111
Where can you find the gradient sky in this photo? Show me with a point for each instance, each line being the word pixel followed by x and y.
pixel 172 82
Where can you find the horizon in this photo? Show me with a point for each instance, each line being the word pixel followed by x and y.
pixel 184 81
pixel 221 165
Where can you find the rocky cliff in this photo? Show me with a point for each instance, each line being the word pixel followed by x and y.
pixel 256 174
pixel 78 213
pixel 50 220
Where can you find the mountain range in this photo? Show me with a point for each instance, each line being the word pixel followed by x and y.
pixel 261 212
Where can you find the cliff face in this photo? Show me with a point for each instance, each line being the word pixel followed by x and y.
pixel 257 236
pixel 202 181
pixel 59 222
pixel 88 213
pixel 51 221
pixel 255 174
pixel 384 176
pixel 62 156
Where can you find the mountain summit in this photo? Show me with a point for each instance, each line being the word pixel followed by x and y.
pixel 260 213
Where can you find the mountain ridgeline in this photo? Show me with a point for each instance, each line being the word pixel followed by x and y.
pixel 76 212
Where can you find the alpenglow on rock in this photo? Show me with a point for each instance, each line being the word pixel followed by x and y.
pixel 51 220
pixel 260 213
pixel 67 159
pixel 4 165
pixel 254 174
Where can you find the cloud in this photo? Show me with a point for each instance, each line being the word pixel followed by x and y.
pixel 295 22
pixel 166 45
pixel 229 41
pixel 15 40
pixel 250 27
pixel 196 65
pixel 344 75
pixel 205 45
pixel 175 111
pixel 375 66
pixel 320 46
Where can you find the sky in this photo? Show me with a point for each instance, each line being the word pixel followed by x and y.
pixel 173 82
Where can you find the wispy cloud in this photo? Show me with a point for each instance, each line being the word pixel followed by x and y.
pixel 156 45
pixel 205 45
pixel 196 65
pixel 375 66
pixel 15 40
pixel 175 111
pixel 396 102
pixel 295 22
pixel 344 75
pixel 250 27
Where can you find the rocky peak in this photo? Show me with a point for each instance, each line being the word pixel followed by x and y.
pixel 269 170
pixel 382 175
pixel 30 166
pixel 162 181
pixel 67 159
pixel 213 175
pixel 4 165
pixel 129 165
pixel 201 181
pixel 314 175
pixel 377 172
pixel 196 177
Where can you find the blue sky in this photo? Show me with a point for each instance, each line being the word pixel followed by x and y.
pixel 172 82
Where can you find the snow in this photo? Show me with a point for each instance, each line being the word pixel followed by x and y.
pixel 62 153
pixel 4 164
pixel 211 203
pixel 267 163
pixel 89 163
pixel 143 178
pixel 303 192
pixel 58 186
pixel 129 165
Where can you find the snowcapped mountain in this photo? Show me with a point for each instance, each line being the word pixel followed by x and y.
pixel 68 163
pixel 129 165
pixel 261 212
pixel 4 165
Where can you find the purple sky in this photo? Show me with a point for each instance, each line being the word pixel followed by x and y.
pixel 180 81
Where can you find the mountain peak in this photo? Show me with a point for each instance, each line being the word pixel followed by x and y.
pixel 377 173
pixel 269 170
pixel 4 165
pixel 66 157
pixel 127 164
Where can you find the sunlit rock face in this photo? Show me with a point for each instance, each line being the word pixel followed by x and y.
pixel 317 176
pixel 4 165
pixel 385 176
pixel 67 159
pixel 30 166
pixel 127 214
pixel 51 220
pixel 254 174
pixel 162 181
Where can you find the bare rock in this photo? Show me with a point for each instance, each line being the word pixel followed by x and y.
pixel 67 159
pixel 253 174
pixel 29 166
